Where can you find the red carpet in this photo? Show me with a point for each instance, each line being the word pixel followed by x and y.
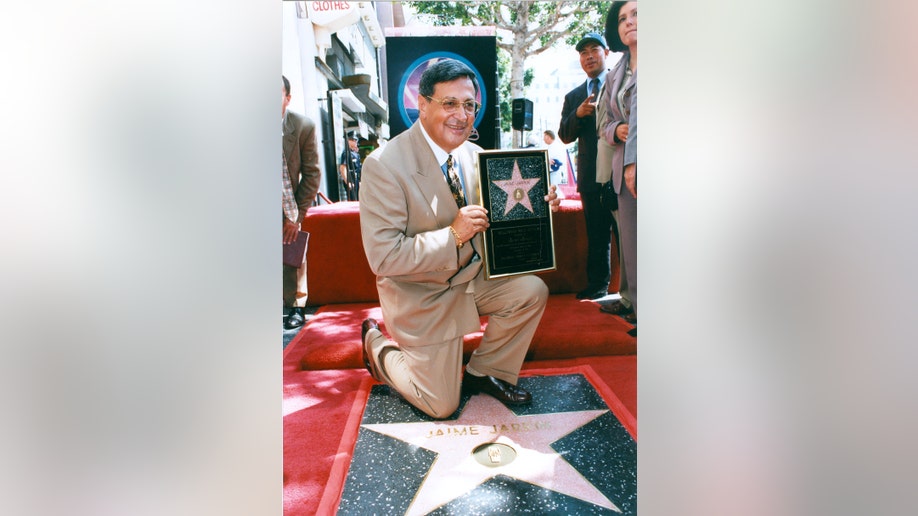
pixel 320 423
pixel 569 328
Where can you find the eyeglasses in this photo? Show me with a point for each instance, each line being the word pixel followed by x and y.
pixel 451 105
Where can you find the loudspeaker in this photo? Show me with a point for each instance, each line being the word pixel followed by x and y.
pixel 522 115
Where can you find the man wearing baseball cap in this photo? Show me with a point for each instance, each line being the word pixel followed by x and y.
pixel 578 122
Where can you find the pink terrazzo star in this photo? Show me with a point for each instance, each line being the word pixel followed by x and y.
pixel 517 189
pixel 455 471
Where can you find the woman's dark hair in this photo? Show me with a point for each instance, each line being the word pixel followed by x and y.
pixel 445 70
pixel 612 37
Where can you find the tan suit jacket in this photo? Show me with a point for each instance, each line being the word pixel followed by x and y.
pixel 406 206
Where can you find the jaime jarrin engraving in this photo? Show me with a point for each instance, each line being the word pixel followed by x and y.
pixel 448 431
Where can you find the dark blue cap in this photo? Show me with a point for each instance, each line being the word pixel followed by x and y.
pixel 591 37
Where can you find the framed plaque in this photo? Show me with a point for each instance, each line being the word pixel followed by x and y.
pixel 521 238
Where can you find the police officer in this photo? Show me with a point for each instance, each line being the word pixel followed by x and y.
pixel 349 168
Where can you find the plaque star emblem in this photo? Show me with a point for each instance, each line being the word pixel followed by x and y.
pixel 489 440
pixel 517 189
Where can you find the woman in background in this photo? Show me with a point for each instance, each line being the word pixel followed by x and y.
pixel 621 81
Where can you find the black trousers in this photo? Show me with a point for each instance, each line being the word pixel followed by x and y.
pixel 599 226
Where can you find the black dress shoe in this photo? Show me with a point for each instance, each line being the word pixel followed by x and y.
pixel 616 308
pixel 593 293
pixel 506 393
pixel 369 324
pixel 632 332
pixel 295 318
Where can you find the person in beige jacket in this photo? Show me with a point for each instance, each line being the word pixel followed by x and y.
pixel 421 232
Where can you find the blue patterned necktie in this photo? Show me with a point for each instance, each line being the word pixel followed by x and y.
pixel 454 184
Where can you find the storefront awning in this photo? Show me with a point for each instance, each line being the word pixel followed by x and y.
pixel 350 101
pixel 360 85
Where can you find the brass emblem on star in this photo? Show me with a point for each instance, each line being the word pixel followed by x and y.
pixel 494 455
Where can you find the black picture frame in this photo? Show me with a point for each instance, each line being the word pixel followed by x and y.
pixel 521 238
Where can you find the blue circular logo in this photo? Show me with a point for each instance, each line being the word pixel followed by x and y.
pixel 408 101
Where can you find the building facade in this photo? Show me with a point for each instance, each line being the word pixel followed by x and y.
pixel 331 54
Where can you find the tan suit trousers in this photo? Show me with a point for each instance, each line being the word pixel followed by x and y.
pixel 430 376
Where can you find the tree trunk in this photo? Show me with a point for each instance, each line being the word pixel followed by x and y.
pixel 517 72
pixel 518 64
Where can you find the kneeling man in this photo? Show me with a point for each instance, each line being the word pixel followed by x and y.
pixel 421 235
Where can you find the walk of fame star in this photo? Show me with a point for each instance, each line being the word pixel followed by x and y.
pixel 517 189
pixel 520 448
